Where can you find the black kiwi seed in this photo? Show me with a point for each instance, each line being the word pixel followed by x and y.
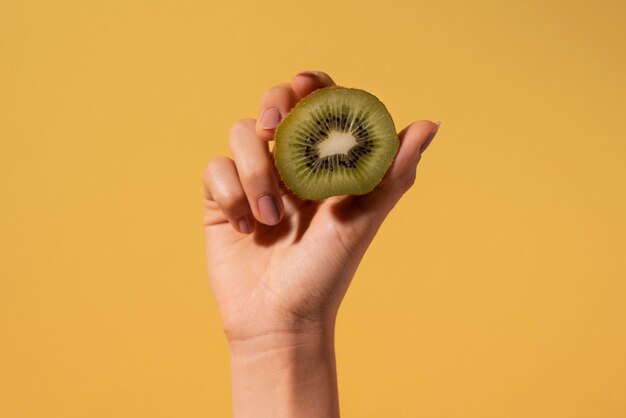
pixel 362 147
pixel 325 120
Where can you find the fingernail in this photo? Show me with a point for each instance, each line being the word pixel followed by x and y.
pixel 313 74
pixel 269 210
pixel 270 118
pixel 245 226
pixel 431 136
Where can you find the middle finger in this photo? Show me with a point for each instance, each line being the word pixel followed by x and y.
pixel 255 167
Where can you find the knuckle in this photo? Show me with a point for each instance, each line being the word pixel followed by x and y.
pixel 255 174
pixel 280 91
pixel 277 90
pixel 230 202
pixel 214 165
pixel 241 127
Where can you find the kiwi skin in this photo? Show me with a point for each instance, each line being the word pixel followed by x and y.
pixel 384 159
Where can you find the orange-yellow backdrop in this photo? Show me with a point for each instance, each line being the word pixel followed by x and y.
pixel 496 289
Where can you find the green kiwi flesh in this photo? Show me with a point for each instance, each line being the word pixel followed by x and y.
pixel 336 141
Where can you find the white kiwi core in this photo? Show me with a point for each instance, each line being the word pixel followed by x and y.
pixel 336 143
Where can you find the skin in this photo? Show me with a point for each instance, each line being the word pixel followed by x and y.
pixel 279 276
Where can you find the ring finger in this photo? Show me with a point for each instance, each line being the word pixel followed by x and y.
pixel 224 188
pixel 255 167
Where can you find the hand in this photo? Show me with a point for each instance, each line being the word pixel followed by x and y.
pixel 277 263
pixel 280 266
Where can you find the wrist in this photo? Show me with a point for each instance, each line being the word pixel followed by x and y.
pixel 281 339
pixel 269 330
pixel 285 374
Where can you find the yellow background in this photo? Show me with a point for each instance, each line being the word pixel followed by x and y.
pixel 496 289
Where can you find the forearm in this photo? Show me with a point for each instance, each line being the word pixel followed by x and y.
pixel 285 375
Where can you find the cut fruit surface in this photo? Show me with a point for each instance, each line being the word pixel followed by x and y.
pixel 336 141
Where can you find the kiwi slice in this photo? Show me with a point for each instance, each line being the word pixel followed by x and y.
pixel 336 141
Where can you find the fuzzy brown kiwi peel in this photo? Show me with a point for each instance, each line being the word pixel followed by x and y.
pixel 336 141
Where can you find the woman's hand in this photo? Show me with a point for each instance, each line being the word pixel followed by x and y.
pixel 280 266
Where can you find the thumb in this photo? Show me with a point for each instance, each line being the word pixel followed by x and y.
pixel 414 139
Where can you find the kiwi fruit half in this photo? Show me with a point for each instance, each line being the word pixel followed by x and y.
pixel 336 141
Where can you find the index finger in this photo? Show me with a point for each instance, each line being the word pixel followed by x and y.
pixel 279 100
